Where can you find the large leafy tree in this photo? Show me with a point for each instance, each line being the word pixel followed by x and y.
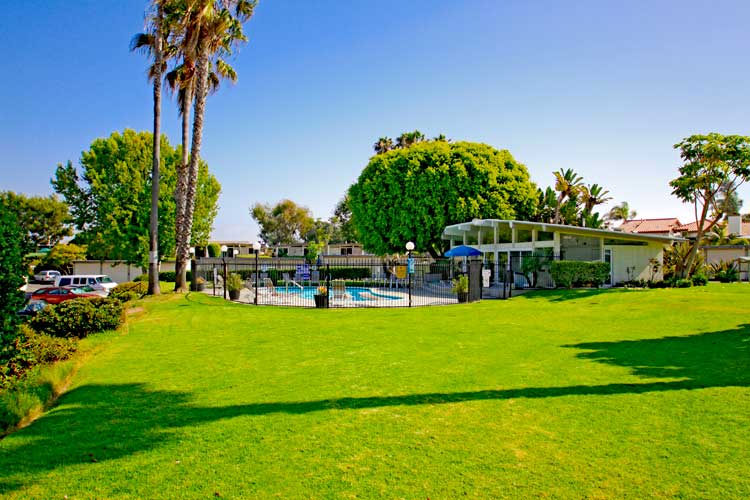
pixel 714 165
pixel 413 193
pixel 345 229
pixel 61 257
pixel 44 220
pixel 110 198
pixel 209 31
pixel 284 223
pixel 12 271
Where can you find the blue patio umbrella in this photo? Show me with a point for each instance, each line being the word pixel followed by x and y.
pixel 462 251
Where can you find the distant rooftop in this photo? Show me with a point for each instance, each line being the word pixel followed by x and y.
pixel 651 226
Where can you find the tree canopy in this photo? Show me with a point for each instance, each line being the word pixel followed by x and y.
pixel 11 278
pixel 284 223
pixel 110 199
pixel 412 193
pixel 713 167
pixel 44 220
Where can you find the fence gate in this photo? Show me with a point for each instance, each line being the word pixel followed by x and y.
pixel 475 280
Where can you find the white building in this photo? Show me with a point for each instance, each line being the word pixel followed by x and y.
pixel 631 255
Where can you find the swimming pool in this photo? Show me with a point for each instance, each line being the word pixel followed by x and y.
pixel 356 293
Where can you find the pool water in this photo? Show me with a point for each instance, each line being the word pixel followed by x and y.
pixel 357 293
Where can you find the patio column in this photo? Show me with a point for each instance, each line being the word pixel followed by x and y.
pixel 466 240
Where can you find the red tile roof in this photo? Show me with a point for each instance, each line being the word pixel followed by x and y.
pixel 693 228
pixel 651 226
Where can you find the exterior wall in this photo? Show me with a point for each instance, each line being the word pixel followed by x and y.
pixel 714 255
pixel 335 249
pixel 631 262
pixel 120 272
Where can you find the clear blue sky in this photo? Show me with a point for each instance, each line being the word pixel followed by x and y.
pixel 605 88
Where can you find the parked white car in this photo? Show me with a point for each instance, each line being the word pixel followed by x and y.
pixel 46 276
pixel 100 282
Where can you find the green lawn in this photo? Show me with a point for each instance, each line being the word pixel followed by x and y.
pixel 582 394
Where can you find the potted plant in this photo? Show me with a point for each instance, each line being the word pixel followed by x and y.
pixel 321 297
pixel 461 288
pixel 200 284
pixel 234 285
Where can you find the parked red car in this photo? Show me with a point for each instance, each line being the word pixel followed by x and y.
pixel 55 295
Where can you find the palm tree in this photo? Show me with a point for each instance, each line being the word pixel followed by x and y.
pixel 621 212
pixel 211 29
pixel 567 184
pixel 383 145
pixel 181 81
pixel 152 42
pixel 409 139
pixel 593 195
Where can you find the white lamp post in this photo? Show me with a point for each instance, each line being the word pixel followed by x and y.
pixel 223 250
pixel 409 248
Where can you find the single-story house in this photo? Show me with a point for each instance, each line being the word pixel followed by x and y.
pixel 332 249
pixel 241 247
pixel 631 255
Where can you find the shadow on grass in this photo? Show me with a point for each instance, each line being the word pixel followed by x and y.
pixel 564 295
pixel 95 423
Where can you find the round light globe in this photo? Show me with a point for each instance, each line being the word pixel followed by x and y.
pixel 223 248
pixel 409 246
pixel 256 246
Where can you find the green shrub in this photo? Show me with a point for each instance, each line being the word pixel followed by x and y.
pixel 683 283
pixel 214 250
pixel 349 273
pixel 31 349
pixel 699 279
pixel 569 273
pixel 130 290
pixel 724 271
pixel 142 277
pixel 171 276
pixel 79 317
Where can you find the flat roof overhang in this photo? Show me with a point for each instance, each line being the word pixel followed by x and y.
pixel 473 227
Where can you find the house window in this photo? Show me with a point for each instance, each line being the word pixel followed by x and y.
pixel 523 235
pixel 346 250
pixel 544 236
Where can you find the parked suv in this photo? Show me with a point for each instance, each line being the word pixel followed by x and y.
pixel 46 276
pixel 100 282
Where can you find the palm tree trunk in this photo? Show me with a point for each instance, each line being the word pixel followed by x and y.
pixel 556 220
pixel 153 258
pixel 181 185
pixel 201 92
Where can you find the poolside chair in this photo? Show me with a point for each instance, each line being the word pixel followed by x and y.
pixel 314 277
pixel 338 290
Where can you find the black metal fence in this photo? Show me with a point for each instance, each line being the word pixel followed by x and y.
pixel 351 282
pixel 370 281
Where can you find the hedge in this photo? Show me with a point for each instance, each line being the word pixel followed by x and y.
pixel 79 317
pixel 570 273
pixel 168 276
